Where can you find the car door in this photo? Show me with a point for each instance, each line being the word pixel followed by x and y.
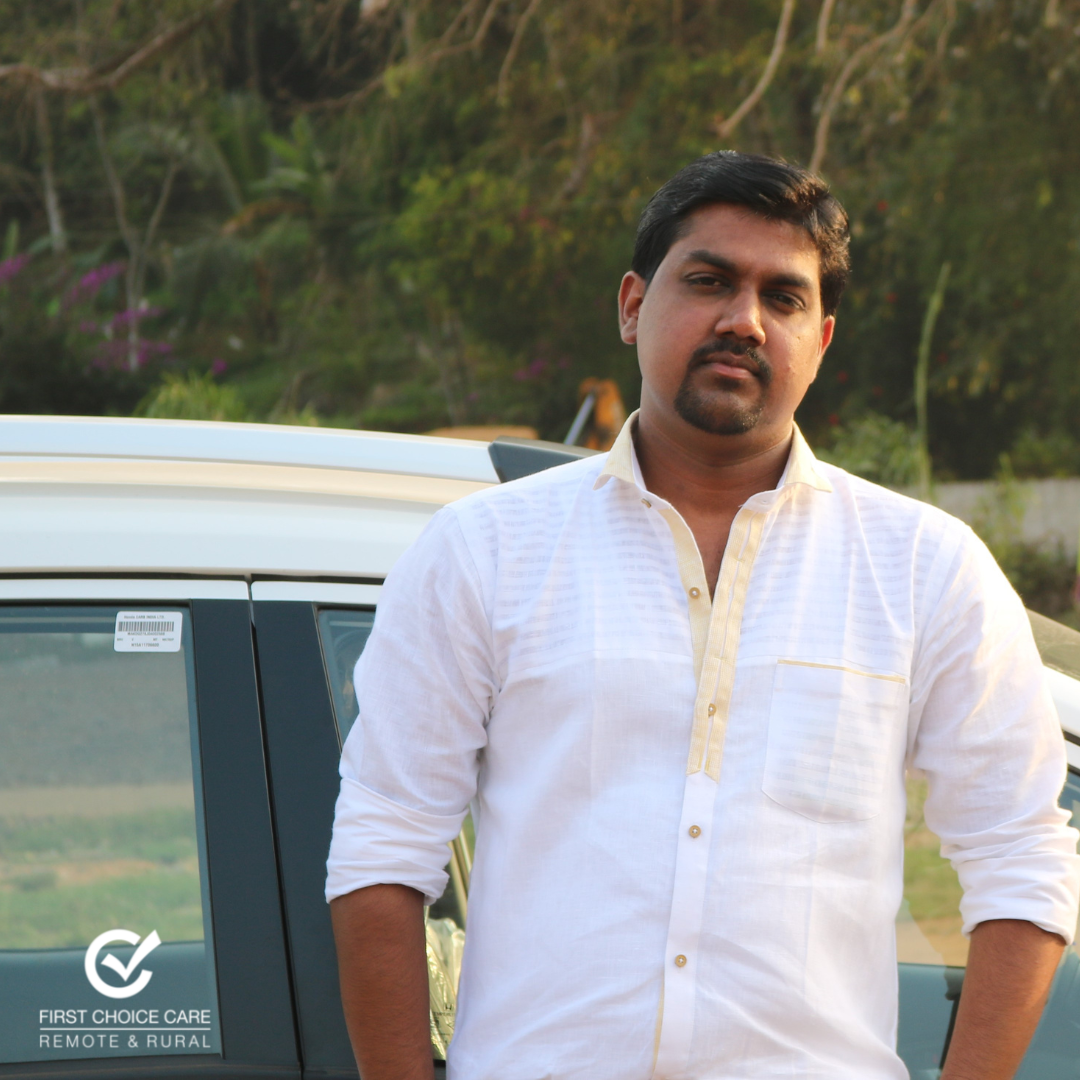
pixel 140 909
pixel 931 950
pixel 309 635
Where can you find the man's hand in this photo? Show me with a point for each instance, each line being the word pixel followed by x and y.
pixel 382 960
pixel 1010 967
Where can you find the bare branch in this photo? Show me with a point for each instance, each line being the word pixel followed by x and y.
pixel 724 128
pixel 485 23
pixel 865 51
pixel 155 218
pixel 515 44
pixel 824 18
pixel 464 12
pixel 586 144
pixel 424 57
pixel 946 30
pixel 90 80
pixel 53 211
pixel 116 187
pixel 131 239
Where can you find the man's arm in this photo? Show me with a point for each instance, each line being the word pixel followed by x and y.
pixel 382 961
pixel 1010 967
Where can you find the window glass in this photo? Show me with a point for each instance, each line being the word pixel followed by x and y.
pixel 932 954
pixel 104 913
pixel 1055 1050
pixel 344 633
pixel 928 924
pixel 931 950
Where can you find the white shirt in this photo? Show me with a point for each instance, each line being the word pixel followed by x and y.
pixel 690 837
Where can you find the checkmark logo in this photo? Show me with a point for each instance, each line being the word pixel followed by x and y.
pixel 125 971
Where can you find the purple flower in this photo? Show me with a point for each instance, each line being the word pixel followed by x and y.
pixel 116 353
pixel 133 315
pixel 218 367
pixel 532 371
pixel 89 285
pixel 10 267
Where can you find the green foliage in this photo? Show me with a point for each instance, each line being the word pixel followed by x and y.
pixel 63 878
pixel 1042 574
pixel 876 448
pixel 394 219
pixel 192 397
pixel 1054 454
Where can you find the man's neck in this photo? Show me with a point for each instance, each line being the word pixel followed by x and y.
pixel 707 478
pixel 708 472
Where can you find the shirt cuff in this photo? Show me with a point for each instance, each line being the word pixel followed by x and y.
pixel 378 842
pixel 1040 888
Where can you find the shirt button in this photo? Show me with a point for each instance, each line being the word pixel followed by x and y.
pixel 712 709
pixel 645 502
pixel 680 960
pixel 695 592
pixel 695 831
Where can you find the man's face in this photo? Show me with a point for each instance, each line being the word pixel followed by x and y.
pixel 730 331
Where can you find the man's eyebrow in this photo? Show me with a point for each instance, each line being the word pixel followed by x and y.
pixel 790 281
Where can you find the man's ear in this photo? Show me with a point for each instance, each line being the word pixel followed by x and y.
pixel 631 294
pixel 828 328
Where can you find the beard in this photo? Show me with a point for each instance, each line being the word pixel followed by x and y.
pixel 714 410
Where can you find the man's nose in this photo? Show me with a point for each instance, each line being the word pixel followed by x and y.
pixel 742 318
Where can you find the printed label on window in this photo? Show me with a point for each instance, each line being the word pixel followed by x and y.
pixel 148 631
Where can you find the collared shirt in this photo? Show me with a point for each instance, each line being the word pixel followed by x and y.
pixel 690 810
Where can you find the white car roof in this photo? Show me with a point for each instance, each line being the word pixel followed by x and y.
pixel 265 444
pixel 101 495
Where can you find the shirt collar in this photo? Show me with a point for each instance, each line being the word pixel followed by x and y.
pixel 622 462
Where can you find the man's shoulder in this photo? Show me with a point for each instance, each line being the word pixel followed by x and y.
pixel 894 509
pixel 537 493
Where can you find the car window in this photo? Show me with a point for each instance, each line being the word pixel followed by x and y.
pixel 344 633
pixel 104 912
pixel 931 950
pixel 928 924
pixel 1055 1049
pixel 933 953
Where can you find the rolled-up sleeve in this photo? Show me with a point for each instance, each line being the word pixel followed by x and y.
pixel 987 736
pixel 424 685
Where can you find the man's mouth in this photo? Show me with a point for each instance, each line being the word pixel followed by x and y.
pixel 734 362
pixel 730 366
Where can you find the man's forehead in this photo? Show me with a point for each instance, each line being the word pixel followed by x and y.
pixel 738 233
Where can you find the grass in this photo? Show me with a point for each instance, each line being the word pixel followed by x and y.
pixel 931 887
pixel 64 880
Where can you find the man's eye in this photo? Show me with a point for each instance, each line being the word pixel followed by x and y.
pixel 788 300
pixel 710 280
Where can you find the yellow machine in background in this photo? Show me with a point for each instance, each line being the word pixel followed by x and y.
pixel 600 417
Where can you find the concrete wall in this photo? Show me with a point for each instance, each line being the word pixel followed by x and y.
pixel 1051 508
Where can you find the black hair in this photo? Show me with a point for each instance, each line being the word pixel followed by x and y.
pixel 768 186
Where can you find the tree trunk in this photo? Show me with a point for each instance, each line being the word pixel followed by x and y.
pixel 48 178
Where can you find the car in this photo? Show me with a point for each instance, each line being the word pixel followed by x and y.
pixel 181 607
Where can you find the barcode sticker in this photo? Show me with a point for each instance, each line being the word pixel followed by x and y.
pixel 148 631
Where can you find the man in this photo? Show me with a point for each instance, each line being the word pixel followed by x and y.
pixel 682 682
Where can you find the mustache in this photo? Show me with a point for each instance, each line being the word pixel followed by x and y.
pixel 733 346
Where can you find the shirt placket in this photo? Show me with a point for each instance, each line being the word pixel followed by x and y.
pixel 715 631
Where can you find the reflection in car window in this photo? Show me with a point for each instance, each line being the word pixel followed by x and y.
pixel 928 923
pixel 103 900
pixel 344 633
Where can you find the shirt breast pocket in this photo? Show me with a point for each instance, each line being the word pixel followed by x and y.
pixel 833 733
